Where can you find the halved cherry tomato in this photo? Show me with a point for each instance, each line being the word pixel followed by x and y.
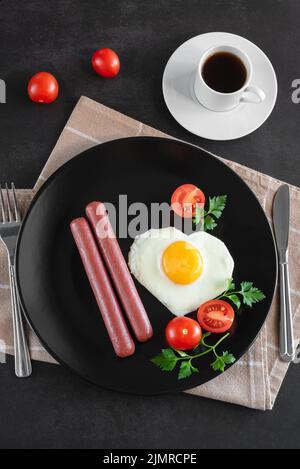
pixel 43 88
pixel 216 316
pixel 185 198
pixel 183 333
pixel 106 62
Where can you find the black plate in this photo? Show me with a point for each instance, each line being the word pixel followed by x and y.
pixel 55 293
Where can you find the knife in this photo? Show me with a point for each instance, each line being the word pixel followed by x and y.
pixel 281 219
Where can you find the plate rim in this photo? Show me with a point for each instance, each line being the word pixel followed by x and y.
pixel 45 185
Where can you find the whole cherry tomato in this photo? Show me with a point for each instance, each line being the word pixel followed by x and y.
pixel 106 63
pixel 185 198
pixel 43 88
pixel 183 333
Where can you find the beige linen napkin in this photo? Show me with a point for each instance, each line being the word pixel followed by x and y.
pixel 255 380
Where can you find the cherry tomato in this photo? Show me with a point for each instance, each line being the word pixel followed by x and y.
pixel 185 198
pixel 183 333
pixel 106 63
pixel 216 316
pixel 43 88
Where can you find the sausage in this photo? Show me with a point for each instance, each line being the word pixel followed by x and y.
pixel 119 272
pixel 102 288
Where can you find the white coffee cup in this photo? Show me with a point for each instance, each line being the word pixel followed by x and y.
pixel 217 101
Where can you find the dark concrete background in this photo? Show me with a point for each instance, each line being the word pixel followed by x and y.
pixel 54 408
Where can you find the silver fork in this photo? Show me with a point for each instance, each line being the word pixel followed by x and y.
pixel 9 228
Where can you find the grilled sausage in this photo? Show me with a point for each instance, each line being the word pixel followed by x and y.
pixel 119 272
pixel 102 288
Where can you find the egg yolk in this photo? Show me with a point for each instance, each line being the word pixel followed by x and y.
pixel 182 262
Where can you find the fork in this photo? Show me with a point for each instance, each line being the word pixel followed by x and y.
pixel 9 229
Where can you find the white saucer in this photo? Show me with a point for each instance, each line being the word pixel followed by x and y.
pixel 178 90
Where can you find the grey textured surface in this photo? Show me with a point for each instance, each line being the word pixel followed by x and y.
pixel 55 408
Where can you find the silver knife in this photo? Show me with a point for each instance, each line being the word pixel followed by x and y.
pixel 281 218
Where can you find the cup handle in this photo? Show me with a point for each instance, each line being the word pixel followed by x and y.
pixel 258 92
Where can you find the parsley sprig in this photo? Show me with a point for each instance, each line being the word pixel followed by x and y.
pixel 168 359
pixel 248 294
pixel 215 209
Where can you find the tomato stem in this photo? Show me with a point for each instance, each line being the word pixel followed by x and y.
pixel 210 348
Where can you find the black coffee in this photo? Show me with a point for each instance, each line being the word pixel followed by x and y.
pixel 224 72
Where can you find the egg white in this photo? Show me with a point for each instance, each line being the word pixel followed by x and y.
pixel 145 263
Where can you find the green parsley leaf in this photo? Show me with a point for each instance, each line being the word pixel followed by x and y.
pixel 217 205
pixel 248 293
pixel 168 353
pixel 245 286
pixel 230 284
pixel 186 369
pixel 218 365
pixel 235 299
pixel 166 360
pixel 215 209
pixel 221 362
pixel 228 358
pixel 198 215
pixel 194 369
pixel 209 223
pixel 251 294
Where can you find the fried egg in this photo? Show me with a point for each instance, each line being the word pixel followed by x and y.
pixel 181 271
